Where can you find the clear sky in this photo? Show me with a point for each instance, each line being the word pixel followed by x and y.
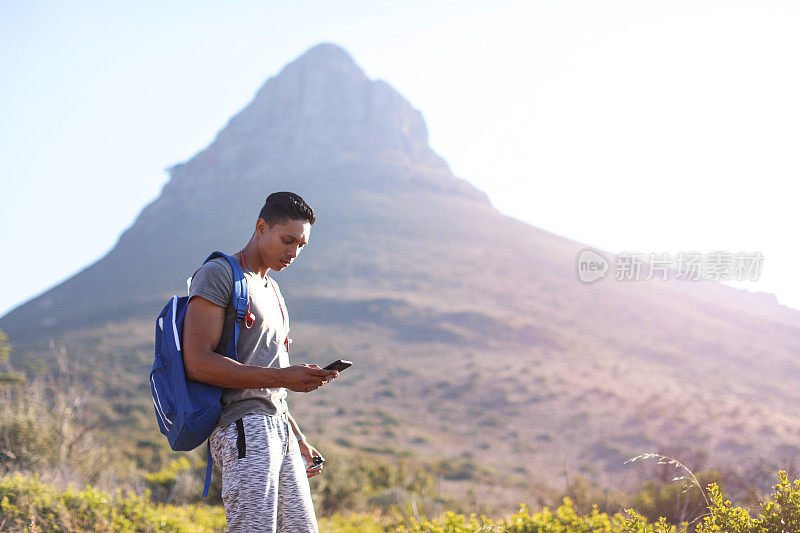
pixel 647 126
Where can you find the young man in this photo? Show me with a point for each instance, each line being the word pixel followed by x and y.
pixel 264 458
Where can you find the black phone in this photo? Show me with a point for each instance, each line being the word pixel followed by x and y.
pixel 338 365
pixel 317 460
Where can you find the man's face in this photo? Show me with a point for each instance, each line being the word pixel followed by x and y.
pixel 280 244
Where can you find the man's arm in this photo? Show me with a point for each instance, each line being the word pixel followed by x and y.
pixel 295 427
pixel 306 450
pixel 202 330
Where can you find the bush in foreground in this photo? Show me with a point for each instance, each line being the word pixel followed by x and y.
pixel 779 514
pixel 564 519
pixel 27 504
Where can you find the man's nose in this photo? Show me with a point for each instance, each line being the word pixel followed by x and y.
pixel 293 251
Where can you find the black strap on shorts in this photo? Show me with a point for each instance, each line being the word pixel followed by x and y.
pixel 240 443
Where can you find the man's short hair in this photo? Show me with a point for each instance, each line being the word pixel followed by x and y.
pixel 282 206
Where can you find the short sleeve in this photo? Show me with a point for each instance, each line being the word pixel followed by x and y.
pixel 214 282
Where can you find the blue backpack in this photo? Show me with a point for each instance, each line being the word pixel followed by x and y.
pixel 187 411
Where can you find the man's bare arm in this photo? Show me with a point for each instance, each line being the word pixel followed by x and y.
pixel 293 423
pixel 202 330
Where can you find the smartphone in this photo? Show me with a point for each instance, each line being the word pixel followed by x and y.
pixel 338 365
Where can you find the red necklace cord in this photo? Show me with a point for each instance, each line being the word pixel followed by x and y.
pixel 280 306
pixel 251 317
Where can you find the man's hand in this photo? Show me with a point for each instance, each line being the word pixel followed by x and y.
pixel 305 378
pixel 309 452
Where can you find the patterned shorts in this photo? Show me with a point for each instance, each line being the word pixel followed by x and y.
pixel 264 482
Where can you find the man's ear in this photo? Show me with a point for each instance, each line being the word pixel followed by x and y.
pixel 261 227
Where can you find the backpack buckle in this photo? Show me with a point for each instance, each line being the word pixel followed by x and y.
pixel 241 308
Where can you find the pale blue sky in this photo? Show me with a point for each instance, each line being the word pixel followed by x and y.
pixel 656 127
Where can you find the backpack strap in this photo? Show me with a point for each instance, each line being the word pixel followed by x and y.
pixel 209 465
pixel 239 300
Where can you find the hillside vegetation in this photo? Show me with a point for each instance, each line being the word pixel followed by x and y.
pixel 31 505
pixel 52 440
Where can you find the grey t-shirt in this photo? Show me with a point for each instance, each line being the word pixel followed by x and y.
pixel 263 344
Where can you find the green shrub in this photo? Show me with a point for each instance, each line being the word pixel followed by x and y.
pixel 25 443
pixel 29 504
pixel 353 523
pixel 163 483
pixel 564 519
pixel 779 514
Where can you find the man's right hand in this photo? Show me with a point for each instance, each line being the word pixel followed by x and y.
pixel 305 378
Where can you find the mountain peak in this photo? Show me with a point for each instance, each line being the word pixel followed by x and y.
pixel 326 56
pixel 323 103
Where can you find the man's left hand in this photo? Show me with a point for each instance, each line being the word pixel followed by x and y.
pixel 308 453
